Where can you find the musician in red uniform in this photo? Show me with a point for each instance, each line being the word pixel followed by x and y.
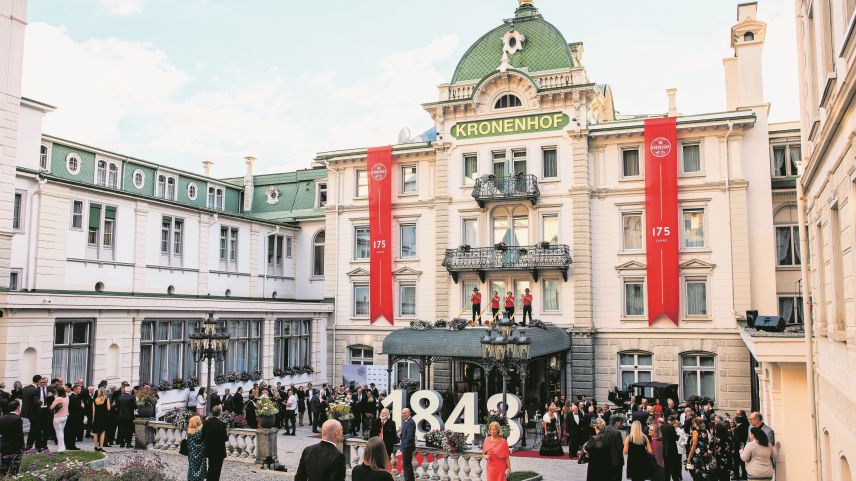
pixel 527 306
pixel 475 299
pixel 494 304
pixel 509 305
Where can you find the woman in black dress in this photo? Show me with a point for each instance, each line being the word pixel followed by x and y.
pixel 100 418
pixel 301 404
pixel 638 449
pixel 597 451
pixel 250 410
pixel 551 446
pixel 375 465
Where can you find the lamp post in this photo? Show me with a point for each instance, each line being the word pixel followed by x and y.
pixel 209 343
pixel 505 348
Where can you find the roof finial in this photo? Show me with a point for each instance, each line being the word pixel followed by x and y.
pixel 524 2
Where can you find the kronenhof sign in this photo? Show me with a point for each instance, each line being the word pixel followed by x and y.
pixel 510 125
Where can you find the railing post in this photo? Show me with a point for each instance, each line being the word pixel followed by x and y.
pixel 266 440
pixel 143 436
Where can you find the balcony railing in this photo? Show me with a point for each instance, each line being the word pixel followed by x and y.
pixel 518 186
pixel 501 257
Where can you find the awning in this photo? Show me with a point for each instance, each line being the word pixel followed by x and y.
pixel 466 343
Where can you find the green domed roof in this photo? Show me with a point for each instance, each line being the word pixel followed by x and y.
pixel 544 49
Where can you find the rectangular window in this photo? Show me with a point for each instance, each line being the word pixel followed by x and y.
pixel 788 245
pixel 361 243
pixel 322 195
pixel 318 255
pixel 164 350
pixel 245 347
pixel 361 300
pixel 467 291
pixel 697 376
pixel 693 230
pixel 634 297
pixel 785 158
pixel 551 295
pixel 274 255
pixel 630 163
pixel 551 165
pixel 165 187
pixel 166 234
pixel 109 226
pixel 408 240
pixel 43 157
pixel 94 224
pixel 292 343
pixel 361 356
pixel 15 280
pixel 228 247
pixel 407 299
pixel 177 237
pixel 633 368
pixel 113 175
pixel 71 349
pixel 17 211
pixel 288 244
pixel 408 179
pixel 790 308
pixel 215 198
pixel 631 224
pixel 470 232
pixel 471 168
pixel 519 159
pixel 499 162
pixel 77 214
pixel 362 187
pixel 695 297
pixel 550 228
pixel 691 161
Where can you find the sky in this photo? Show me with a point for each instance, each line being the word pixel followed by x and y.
pixel 181 82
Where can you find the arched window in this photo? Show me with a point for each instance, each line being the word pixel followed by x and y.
pixel 113 176
pixel 43 157
pixel 318 255
pixel 510 225
pixel 748 37
pixel 101 172
pixel 698 375
pixel 508 101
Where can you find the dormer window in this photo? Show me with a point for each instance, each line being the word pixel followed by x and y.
pixel 748 37
pixel 107 174
pixel 508 101
pixel 165 188
pixel 43 157
pixel 215 198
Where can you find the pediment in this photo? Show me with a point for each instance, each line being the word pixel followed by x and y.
pixel 406 271
pixel 358 272
pixel 631 266
pixel 697 264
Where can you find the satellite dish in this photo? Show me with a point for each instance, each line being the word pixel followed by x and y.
pixel 404 136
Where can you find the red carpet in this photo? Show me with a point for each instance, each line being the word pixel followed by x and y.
pixel 534 454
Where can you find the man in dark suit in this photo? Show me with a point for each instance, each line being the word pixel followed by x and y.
pixel 215 437
pixel 214 398
pixel 27 403
pixel 314 410
pixel 408 443
pixel 40 416
pixel 309 394
pixel 74 424
pixel 615 442
pixel 741 437
pixel 11 439
pixel 127 404
pixel 238 402
pixel 323 461
pixel 573 424
pixel 671 456
pixel 226 400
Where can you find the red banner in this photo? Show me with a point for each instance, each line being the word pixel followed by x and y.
pixel 379 167
pixel 661 218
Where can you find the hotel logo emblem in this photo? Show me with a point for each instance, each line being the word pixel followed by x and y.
pixel 661 147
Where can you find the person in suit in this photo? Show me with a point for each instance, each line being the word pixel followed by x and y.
pixel 28 394
pixel 314 406
pixel 215 437
pixel 126 405
pixel 615 441
pixel 214 398
pixel 384 428
pixel 238 401
pixel 741 437
pixel 74 424
pixel 573 426
pixel 323 461
pixel 408 444
pixel 308 395
pixel 671 456
pixel 11 439
pixel 87 395
pixel 41 428
pixel 226 400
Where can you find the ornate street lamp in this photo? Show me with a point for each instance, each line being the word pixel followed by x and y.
pixel 505 349
pixel 209 342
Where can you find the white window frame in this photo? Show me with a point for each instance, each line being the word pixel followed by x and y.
pixel 638 150
pixel 192 190
pixel 175 236
pixel 354 312
pixel 315 245
pixel 787 145
pixel 100 248
pixel 75 168
pixel 275 260
pixel 633 280
pixel 319 188
pixel 464 239
pixel 558 227
pixel 216 198
pixel 357 194
pixel 114 175
pixel 368 232
pixel 401 228
pixel 80 215
pixel 228 252
pixel 402 184
pixel 45 158
pixel 18 275
pixel 469 180
pixel 163 193
pixel 289 247
pixel 544 164
pixel 21 208
pixel 798 310
pixel 407 285
pixel 621 236
pixel 690 143
pixel 364 357
pixel 636 367
pixel 698 368
pixel 683 240
pixel 794 246
pixel 409 365
pixel 544 295
pixel 142 175
pixel 695 278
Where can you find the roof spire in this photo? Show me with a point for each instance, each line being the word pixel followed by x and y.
pixel 524 2
pixel 525 8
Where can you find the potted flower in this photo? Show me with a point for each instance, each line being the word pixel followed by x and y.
pixel 178 418
pixel 146 400
pixel 178 383
pixel 266 411
pixel 501 246
pixel 446 440
pixel 308 370
pixel 165 385
pixel 340 410
pixel 277 372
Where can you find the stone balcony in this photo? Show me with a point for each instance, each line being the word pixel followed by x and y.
pixel 512 187
pixel 501 257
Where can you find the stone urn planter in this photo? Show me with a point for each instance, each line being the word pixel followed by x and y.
pixel 147 411
pixel 267 422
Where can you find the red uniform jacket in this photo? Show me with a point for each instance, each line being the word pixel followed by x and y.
pixel 494 302
pixel 476 298
pixel 527 300
pixel 509 301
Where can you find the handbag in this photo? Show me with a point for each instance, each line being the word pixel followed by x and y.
pixel 182 447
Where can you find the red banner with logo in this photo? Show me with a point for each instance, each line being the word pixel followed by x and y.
pixel 379 167
pixel 661 218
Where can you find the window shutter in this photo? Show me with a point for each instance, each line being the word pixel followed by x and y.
pixel 95 215
pixel 110 213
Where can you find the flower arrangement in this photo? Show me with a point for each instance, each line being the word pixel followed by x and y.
pixel 178 383
pixel 277 372
pixel 265 406
pixel 492 417
pixel 420 325
pixel 537 323
pixel 146 396
pixel 165 385
pixel 457 324
pixel 408 384
pixel 501 246
pixel 440 324
pixel 308 370
pixel 255 375
pixel 446 440
pixel 339 410
pixel 244 376
pixel 178 417
pixel 193 382
pixel 233 421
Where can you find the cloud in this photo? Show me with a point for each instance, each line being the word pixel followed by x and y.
pixel 122 7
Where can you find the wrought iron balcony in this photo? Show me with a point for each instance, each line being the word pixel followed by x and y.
pixel 517 186
pixel 501 257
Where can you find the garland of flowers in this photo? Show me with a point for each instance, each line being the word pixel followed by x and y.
pixel 179 417
pixel 238 377
pixel 446 440
pixel 292 371
pixel 420 325
pixel 493 417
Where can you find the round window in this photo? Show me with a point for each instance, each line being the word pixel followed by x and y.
pixel 72 164
pixel 512 42
pixel 139 179
pixel 192 191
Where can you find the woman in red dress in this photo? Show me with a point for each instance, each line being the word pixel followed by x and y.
pixel 497 454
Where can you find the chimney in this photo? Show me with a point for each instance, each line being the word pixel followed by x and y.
pixel 673 107
pixel 743 72
pixel 206 167
pixel 248 184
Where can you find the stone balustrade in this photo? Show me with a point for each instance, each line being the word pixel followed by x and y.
pixel 435 465
pixel 253 445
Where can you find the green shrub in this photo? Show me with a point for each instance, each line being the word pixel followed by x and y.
pixel 521 475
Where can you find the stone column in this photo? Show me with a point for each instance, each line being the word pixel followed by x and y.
pixel 266 445
pixel 143 436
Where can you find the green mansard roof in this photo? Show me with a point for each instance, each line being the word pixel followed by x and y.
pixel 544 49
